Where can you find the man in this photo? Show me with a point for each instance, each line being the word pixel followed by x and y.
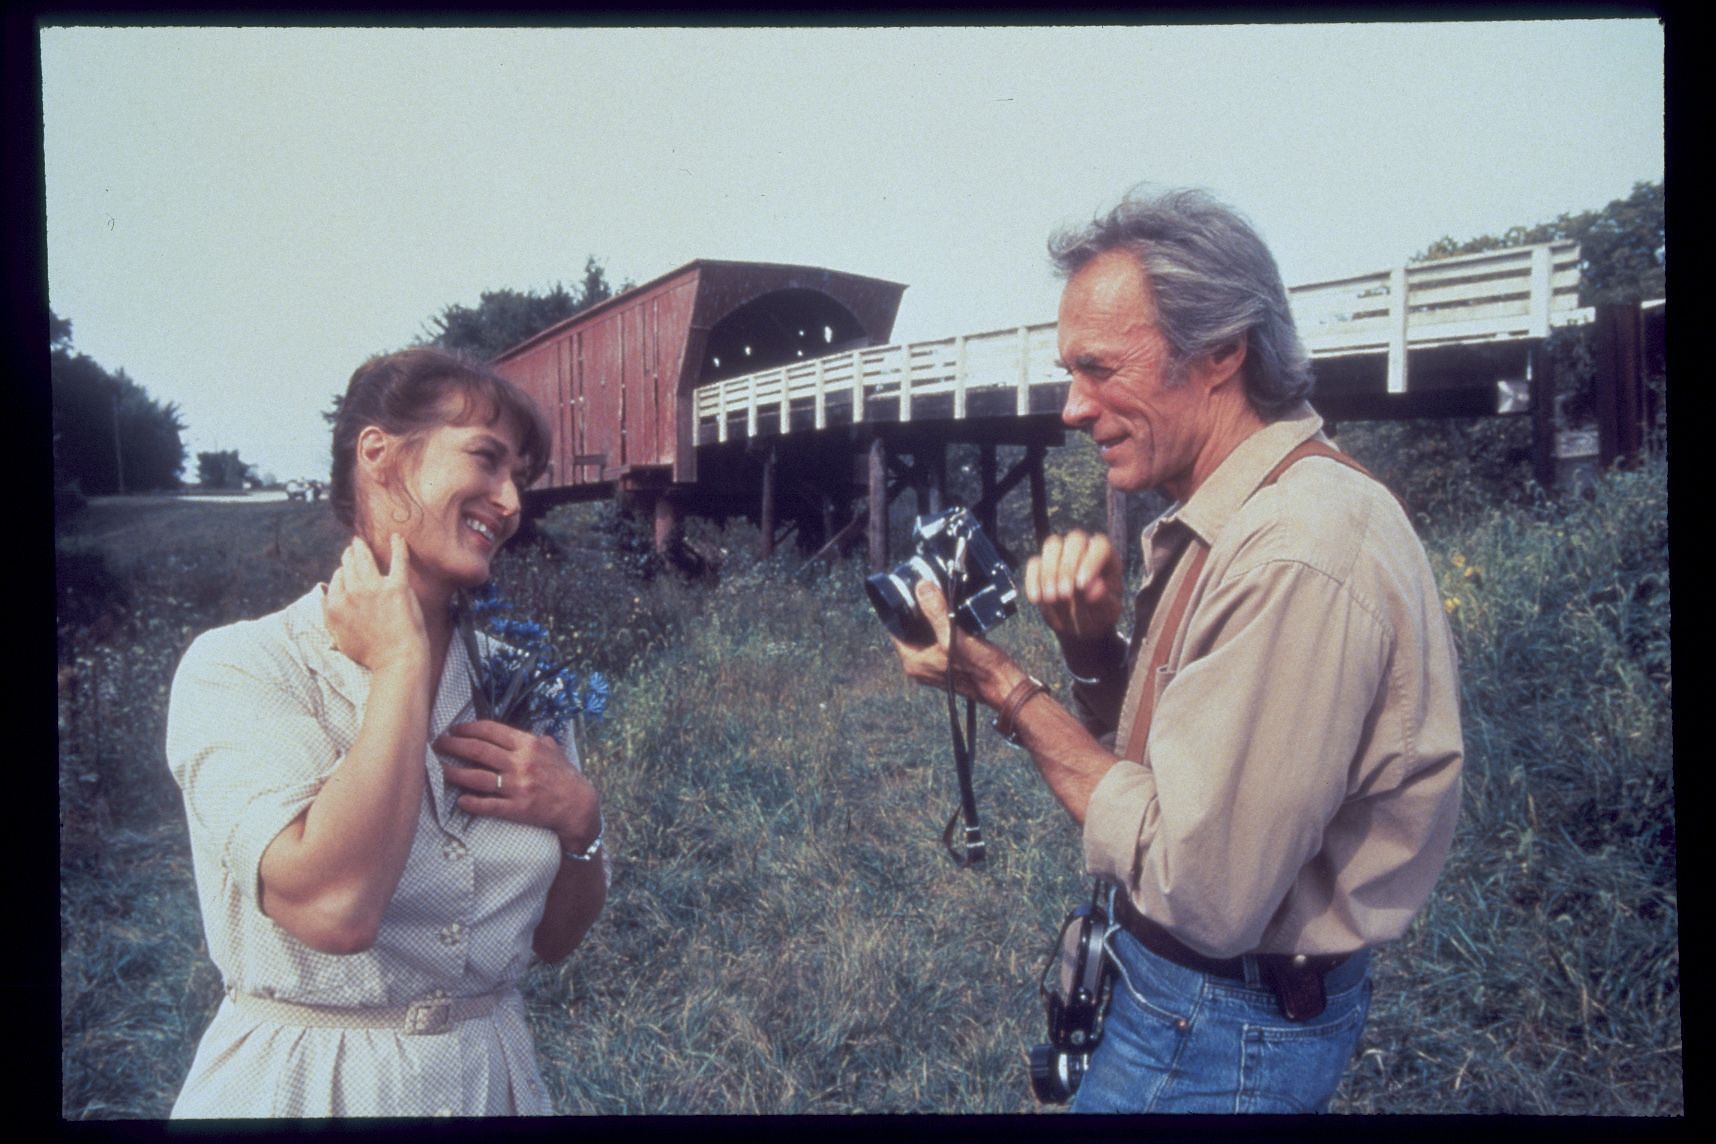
pixel 1268 771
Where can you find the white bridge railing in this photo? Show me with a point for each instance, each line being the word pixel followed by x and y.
pixel 1497 296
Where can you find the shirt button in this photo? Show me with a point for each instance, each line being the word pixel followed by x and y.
pixel 452 935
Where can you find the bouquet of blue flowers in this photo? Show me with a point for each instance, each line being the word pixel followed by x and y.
pixel 516 677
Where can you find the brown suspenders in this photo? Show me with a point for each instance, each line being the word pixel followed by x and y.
pixel 1176 615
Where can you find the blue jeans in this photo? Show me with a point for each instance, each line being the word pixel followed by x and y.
pixel 1177 1040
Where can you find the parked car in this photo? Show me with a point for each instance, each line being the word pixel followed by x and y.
pixel 297 490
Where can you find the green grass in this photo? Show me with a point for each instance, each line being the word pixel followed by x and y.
pixel 785 933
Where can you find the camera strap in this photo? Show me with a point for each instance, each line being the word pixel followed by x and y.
pixel 971 853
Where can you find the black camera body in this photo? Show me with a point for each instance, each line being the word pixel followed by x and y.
pixel 1076 1005
pixel 944 545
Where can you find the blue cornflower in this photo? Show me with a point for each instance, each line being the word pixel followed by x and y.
pixel 516 678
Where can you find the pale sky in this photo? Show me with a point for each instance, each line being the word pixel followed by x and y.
pixel 238 217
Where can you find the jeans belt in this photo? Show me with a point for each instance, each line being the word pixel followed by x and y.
pixel 427 1016
pixel 1272 967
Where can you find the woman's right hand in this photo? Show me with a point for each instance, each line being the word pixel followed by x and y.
pixel 375 618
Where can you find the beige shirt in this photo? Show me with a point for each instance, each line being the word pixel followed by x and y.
pixel 1301 779
pixel 261 714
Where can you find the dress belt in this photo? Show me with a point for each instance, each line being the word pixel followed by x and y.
pixel 429 1016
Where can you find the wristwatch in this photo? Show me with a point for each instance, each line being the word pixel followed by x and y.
pixel 591 850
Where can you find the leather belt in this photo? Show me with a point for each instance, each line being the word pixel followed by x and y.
pixel 1295 979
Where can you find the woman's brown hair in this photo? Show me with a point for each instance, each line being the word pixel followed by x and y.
pixel 401 393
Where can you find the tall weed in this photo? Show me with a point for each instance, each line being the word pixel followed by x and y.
pixel 785 933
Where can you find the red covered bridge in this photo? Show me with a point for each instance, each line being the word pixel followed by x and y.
pixel 771 390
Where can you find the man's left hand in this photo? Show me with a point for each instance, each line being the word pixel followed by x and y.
pixel 980 669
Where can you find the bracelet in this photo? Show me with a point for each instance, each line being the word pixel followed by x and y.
pixel 1022 693
pixel 591 850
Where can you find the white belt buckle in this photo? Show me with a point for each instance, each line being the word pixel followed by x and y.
pixel 429 1017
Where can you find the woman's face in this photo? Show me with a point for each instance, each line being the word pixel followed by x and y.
pixel 462 487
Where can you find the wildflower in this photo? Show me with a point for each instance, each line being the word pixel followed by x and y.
pixel 1458 559
pixel 516 676
pixel 1450 605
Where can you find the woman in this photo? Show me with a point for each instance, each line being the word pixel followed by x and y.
pixel 375 868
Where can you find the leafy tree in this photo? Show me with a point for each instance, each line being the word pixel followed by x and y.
pixel 109 435
pixel 222 470
pixel 503 318
pixel 1623 247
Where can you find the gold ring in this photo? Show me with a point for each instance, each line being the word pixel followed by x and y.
pixel 500 781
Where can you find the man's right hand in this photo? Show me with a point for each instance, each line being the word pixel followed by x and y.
pixel 1076 583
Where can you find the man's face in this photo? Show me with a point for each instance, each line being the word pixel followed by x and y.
pixel 1148 431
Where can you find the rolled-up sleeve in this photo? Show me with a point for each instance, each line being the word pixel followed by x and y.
pixel 246 748
pixel 1248 756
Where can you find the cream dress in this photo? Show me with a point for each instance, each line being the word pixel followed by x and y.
pixel 261 714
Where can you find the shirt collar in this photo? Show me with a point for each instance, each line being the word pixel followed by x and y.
pixel 1207 511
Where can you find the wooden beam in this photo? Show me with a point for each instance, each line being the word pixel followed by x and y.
pixel 1039 493
pixel 666 521
pixel 986 515
pixel 1540 376
pixel 767 514
pixel 1117 522
pixel 936 466
pixel 1620 384
pixel 878 531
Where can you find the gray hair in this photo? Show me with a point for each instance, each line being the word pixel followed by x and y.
pixel 1214 280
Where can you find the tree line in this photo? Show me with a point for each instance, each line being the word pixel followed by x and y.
pixel 110 436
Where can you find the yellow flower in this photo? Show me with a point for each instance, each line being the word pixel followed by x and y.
pixel 1459 559
pixel 1450 605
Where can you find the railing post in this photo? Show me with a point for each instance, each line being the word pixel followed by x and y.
pixel 1542 291
pixel 857 387
pixel 821 395
pixel 959 378
pixel 905 383
pixel 1397 330
pixel 1022 405
pixel 751 409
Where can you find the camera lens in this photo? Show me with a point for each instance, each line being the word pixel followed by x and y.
pixel 1055 1076
pixel 891 595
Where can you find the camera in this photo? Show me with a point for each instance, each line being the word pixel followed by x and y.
pixel 1075 1004
pixel 946 545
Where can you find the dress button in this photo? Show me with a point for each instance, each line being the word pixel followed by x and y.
pixel 454 850
pixel 452 935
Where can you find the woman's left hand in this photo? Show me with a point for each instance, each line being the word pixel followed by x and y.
pixel 521 777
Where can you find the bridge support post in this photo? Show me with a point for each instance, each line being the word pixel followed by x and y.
pixel 666 513
pixel 1039 493
pixel 987 517
pixel 1117 522
pixel 878 492
pixel 936 467
pixel 766 514
pixel 1542 367
pixel 1620 384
